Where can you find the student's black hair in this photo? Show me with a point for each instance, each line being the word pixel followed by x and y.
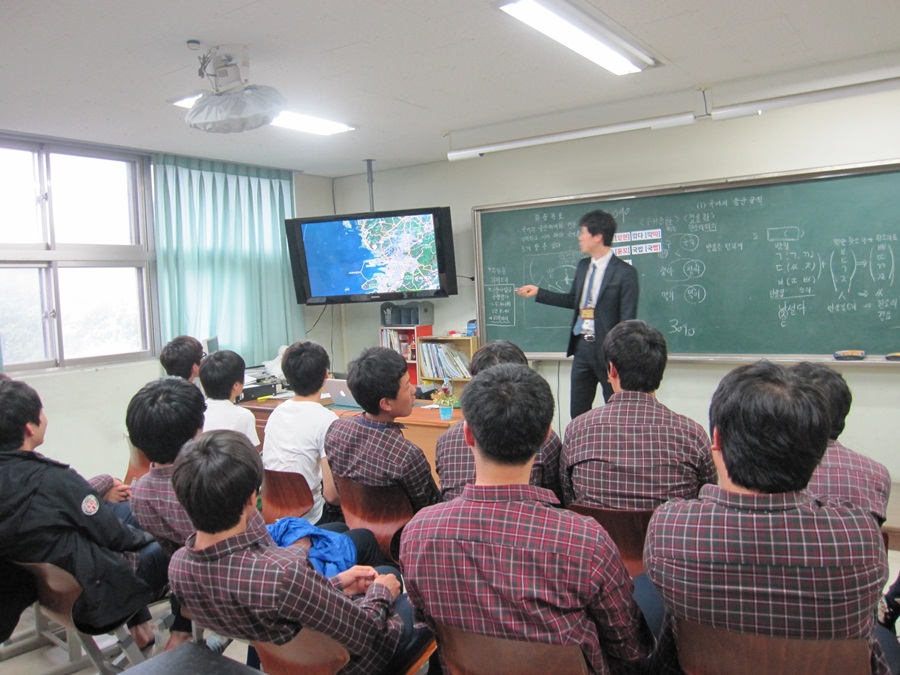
pixel 220 371
pixel 509 409
pixel 773 427
pixel 181 355
pixel 599 222
pixel 305 366
pixel 495 353
pixel 375 374
pixel 835 388
pixel 639 354
pixel 163 416
pixel 19 406
pixel 214 476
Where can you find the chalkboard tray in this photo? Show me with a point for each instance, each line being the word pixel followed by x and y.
pixel 799 264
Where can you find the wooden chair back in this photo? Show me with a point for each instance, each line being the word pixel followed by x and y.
pixel 138 464
pixel 627 528
pixel 471 654
pixel 705 650
pixel 284 494
pixel 383 510
pixel 57 591
pixel 309 653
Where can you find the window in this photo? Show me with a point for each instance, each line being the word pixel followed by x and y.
pixel 75 256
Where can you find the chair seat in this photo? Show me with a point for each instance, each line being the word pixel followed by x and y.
pixel 706 650
pixel 284 494
pixel 383 510
pixel 628 529
pixel 467 653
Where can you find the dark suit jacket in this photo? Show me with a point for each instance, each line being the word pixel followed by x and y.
pixel 616 301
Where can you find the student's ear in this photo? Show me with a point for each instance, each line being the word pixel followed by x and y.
pixel 468 435
pixel 386 404
pixel 716 440
pixel 236 390
pixel 613 372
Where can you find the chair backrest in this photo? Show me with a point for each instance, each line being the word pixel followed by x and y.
pixel 138 463
pixel 383 510
pixel 705 650
pixel 627 528
pixel 57 591
pixel 284 494
pixel 309 653
pixel 472 654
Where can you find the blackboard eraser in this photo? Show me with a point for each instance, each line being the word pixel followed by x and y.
pixel 893 356
pixel 850 355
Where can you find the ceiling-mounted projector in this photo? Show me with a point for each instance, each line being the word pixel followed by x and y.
pixel 233 105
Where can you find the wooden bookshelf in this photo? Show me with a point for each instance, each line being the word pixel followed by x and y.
pixel 453 355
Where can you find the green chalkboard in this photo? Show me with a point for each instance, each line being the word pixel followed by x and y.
pixel 805 265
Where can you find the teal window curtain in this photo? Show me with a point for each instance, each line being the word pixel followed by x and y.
pixel 222 260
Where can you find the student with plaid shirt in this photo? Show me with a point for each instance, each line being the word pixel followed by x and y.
pixel 503 559
pixel 370 448
pixel 453 456
pixel 238 584
pixel 756 553
pixel 634 453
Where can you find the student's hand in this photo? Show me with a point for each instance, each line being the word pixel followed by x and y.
pixel 119 492
pixel 357 579
pixel 391 582
pixel 528 291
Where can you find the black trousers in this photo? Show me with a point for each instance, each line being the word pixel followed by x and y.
pixel 587 373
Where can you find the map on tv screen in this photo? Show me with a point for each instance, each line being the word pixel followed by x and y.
pixel 371 255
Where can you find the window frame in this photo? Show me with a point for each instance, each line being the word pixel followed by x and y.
pixel 49 257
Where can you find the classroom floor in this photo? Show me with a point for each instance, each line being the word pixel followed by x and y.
pixel 41 660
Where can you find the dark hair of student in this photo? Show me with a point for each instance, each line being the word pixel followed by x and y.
pixel 220 371
pixel 773 427
pixel 19 405
pixel 181 355
pixel 305 366
pixel 509 409
pixel 495 353
pixel 599 222
pixel 835 388
pixel 163 416
pixel 214 477
pixel 375 374
pixel 639 354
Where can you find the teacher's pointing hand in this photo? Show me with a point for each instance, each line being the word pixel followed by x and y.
pixel 528 291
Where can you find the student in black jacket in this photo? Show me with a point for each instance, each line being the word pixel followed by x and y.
pixel 49 513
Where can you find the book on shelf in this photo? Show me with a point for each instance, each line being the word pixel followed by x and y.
pixel 438 361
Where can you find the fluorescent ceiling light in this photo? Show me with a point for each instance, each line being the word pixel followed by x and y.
pixel 309 124
pixel 289 120
pixel 580 33
pixel 678 120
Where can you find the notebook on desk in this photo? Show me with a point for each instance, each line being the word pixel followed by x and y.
pixel 340 393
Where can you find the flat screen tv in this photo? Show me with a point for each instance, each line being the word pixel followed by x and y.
pixel 372 257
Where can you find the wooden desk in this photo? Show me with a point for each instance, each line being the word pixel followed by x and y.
pixel 423 426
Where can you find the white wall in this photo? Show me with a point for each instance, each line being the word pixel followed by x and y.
pixel 837 133
pixel 85 410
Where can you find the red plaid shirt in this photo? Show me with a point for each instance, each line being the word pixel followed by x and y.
pixel 456 466
pixel 847 475
pixel 377 455
pixel 501 561
pixel 634 453
pixel 244 588
pixel 157 510
pixel 771 564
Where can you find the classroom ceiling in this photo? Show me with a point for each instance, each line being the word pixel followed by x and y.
pixel 415 77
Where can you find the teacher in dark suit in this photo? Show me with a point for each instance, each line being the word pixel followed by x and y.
pixel 605 292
